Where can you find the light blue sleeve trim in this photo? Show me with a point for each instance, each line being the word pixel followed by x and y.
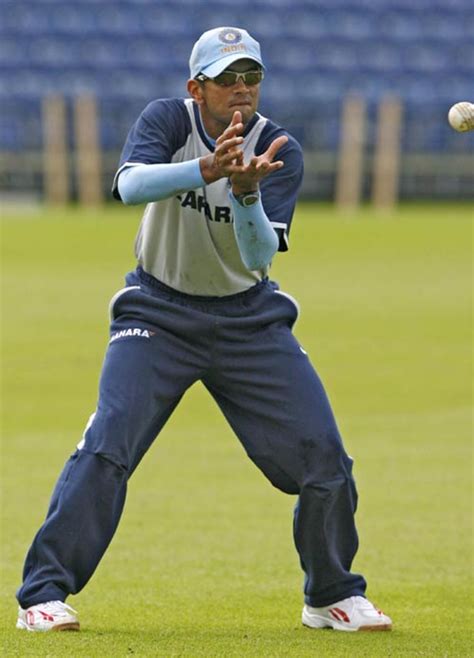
pixel 142 183
pixel 256 238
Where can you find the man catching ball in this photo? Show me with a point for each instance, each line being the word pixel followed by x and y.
pixel 220 182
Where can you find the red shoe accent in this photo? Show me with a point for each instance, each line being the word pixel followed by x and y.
pixel 339 614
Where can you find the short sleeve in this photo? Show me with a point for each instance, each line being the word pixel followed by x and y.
pixel 160 130
pixel 280 190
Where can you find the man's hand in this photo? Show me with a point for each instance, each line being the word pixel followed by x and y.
pixel 227 158
pixel 247 178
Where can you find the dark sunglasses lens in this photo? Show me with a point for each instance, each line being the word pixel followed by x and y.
pixel 228 78
pixel 253 77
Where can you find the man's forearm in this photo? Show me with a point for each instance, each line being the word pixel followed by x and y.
pixel 255 236
pixel 145 183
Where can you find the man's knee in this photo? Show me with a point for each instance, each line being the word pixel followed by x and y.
pixel 278 476
pixel 319 459
pixel 94 465
pixel 325 459
pixel 110 437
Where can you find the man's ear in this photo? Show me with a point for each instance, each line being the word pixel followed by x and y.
pixel 195 90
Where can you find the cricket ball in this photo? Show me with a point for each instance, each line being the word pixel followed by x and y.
pixel 461 117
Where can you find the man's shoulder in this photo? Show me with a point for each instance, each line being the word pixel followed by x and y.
pixel 165 107
pixel 271 130
pixel 169 119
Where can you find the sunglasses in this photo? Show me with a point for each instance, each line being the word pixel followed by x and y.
pixel 229 78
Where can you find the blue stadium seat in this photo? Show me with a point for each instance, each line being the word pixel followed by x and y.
pixel 426 57
pixel 56 52
pixel 13 52
pixel 380 56
pixel 23 18
pixel 306 23
pixel 355 23
pixel 20 124
pixel 337 54
pixel 316 51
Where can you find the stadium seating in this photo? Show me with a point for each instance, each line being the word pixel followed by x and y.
pixel 317 51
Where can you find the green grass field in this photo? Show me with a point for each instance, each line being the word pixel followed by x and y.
pixel 203 562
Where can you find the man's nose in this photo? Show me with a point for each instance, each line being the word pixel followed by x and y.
pixel 240 85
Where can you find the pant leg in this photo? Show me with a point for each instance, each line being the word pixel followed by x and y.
pixel 146 370
pixel 275 402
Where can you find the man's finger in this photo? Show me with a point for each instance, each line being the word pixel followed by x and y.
pixel 274 166
pixel 275 146
pixel 229 157
pixel 236 118
pixel 229 132
pixel 228 144
pixel 235 168
pixel 253 164
pixel 236 123
pixel 271 166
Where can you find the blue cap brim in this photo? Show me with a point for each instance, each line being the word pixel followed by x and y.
pixel 214 69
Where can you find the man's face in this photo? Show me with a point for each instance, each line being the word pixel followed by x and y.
pixel 218 103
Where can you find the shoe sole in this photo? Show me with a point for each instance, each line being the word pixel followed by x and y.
pixel 373 629
pixel 380 627
pixel 73 626
pixel 319 623
pixel 69 626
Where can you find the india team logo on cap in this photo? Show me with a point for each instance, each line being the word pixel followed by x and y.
pixel 230 36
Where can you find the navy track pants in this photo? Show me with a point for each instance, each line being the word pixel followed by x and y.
pixel 241 347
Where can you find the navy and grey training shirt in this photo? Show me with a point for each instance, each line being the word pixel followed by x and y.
pixel 187 240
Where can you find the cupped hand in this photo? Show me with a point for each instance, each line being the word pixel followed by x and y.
pixel 227 158
pixel 248 177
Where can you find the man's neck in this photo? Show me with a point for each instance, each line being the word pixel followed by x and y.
pixel 212 128
pixel 210 139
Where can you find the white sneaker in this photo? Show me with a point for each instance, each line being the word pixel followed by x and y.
pixel 50 616
pixel 353 614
